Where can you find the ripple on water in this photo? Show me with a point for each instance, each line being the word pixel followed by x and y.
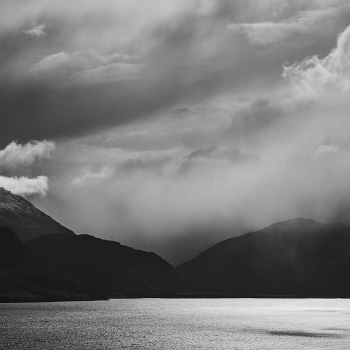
pixel 177 324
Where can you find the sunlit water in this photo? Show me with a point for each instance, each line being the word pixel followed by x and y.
pixel 177 324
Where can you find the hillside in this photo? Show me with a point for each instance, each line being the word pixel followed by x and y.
pixel 297 257
pixel 24 277
pixel 25 219
pixel 117 269
pixel 42 260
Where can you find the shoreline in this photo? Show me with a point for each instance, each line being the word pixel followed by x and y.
pixel 16 299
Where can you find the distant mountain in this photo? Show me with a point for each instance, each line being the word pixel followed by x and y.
pixel 297 257
pixel 180 258
pixel 117 269
pixel 25 219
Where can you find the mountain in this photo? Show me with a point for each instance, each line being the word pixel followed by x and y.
pixel 297 257
pixel 180 258
pixel 24 277
pixel 25 219
pixel 117 269
pixel 41 260
pixel 61 267
pixel 13 254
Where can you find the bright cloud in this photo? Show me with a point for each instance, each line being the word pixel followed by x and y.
pixel 16 155
pixel 37 31
pixel 25 186
pixel 332 73
pixel 267 33
pixel 18 160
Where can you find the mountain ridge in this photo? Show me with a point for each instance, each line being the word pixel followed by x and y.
pixel 37 265
pixel 295 257
pixel 25 219
pixel 115 267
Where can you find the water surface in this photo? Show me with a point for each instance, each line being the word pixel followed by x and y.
pixel 177 324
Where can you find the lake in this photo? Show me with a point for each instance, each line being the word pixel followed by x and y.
pixel 177 324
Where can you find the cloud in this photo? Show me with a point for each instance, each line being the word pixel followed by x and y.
pixel 267 33
pixel 25 186
pixel 17 160
pixel 213 156
pixel 324 151
pixel 89 175
pixel 107 64
pixel 37 31
pixel 253 123
pixel 88 67
pixel 314 76
pixel 16 156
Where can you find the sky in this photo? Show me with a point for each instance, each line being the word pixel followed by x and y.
pixel 169 125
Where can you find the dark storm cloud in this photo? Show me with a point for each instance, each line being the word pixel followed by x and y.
pixel 54 86
pixel 40 110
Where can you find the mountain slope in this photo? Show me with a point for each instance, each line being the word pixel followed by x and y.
pixel 13 254
pixel 118 269
pixel 25 219
pixel 23 277
pixel 58 265
pixel 296 257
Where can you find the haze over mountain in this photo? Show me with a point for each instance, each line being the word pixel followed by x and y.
pixel 296 257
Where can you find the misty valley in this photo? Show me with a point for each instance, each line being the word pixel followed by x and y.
pixel 48 262
pixel 275 288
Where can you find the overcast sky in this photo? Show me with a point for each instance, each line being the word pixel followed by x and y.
pixel 170 124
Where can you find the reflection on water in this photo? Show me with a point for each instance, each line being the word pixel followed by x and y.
pixel 177 324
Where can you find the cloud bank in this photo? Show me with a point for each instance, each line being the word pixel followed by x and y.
pixel 24 186
pixel 16 155
pixel 314 76
pixel 18 159
pixel 105 64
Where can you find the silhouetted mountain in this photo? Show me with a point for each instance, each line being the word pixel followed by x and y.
pixel 25 219
pixel 13 254
pixel 23 277
pixel 296 257
pixel 180 258
pixel 58 265
pixel 117 269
